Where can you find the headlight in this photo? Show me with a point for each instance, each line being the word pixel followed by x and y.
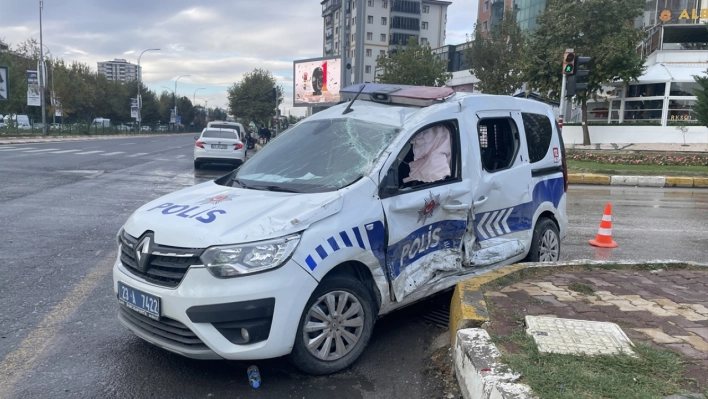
pixel 120 233
pixel 239 260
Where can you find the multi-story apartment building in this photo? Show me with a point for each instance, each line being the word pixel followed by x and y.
pixel 490 13
pixel 119 69
pixel 362 30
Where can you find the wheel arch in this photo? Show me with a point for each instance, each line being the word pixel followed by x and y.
pixel 362 273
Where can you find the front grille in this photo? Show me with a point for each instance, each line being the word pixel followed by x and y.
pixel 171 330
pixel 166 265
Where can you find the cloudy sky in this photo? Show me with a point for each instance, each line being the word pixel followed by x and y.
pixel 214 41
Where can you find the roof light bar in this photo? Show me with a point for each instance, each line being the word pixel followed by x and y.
pixel 421 96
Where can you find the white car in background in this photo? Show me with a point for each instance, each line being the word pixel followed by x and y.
pixel 218 146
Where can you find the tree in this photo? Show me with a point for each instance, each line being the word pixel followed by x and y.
pixel 701 107
pixel 601 29
pixel 251 98
pixel 414 65
pixel 497 59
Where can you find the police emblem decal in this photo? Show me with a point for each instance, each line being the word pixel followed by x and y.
pixel 431 203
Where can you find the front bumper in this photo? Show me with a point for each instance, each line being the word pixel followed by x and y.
pixel 193 321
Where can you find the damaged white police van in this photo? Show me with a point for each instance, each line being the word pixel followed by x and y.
pixel 359 210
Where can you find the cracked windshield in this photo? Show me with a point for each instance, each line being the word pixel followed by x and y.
pixel 357 199
pixel 322 155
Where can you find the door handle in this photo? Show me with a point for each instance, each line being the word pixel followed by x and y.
pixel 456 206
pixel 480 201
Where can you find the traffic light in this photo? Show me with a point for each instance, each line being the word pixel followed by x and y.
pixel 273 94
pixel 568 63
pixel 577 81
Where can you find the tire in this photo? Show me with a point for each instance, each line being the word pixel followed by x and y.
pixel 344 350
pixel 545 244
pixel 197 165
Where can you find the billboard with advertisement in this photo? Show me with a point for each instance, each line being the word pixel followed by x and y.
pixel 33 94
pixel 4 84
pixel 317 81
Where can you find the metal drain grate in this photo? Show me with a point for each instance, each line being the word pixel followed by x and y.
pixel 438 316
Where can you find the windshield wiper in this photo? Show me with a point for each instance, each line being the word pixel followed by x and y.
pixel 279 189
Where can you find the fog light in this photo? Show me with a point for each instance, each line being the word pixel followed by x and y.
pixel 244 334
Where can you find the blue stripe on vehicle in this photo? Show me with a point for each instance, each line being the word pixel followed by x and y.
pixel 520 217
pixel 358 237
pixel 321 252
pixel 311 262
pixel 346 239
pixel 333 243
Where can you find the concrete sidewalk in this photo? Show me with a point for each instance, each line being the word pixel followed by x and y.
pixel 638 181
pixel 665 305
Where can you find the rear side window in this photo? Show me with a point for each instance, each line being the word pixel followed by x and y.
pixel 538 135
pixel 498 142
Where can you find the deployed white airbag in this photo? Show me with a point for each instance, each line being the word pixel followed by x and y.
pixel 431 151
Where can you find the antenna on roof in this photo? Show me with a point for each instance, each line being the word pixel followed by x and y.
pixel 349 107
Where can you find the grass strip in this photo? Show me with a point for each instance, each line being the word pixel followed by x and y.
pixel 654 373
pixel 640 170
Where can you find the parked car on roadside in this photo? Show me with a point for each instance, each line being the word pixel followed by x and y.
pixel 218 146
pixel 146 128
pixel 361 209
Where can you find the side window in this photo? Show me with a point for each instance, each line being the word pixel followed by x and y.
pixel 430 157
pixel 498 142
pixel 538 135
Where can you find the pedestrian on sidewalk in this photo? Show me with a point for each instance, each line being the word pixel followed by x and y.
pixel 264 133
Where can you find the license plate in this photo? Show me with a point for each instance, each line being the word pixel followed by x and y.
pixel 145 304
pixel 218 146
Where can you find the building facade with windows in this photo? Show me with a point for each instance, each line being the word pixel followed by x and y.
pixel 375 27
pixel 119 70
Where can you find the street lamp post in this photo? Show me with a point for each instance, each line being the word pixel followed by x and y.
pixel 140 101
pixel 177 80
pixel 194 97
pixel 41 70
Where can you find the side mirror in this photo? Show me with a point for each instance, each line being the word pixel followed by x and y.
pixel 196 137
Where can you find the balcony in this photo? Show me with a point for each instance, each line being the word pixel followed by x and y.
pixel 329 5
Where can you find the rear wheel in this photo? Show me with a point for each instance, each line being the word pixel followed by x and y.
pixel 545 245
pixel 335 326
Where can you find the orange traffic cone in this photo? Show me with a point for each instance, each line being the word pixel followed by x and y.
pixel 604 234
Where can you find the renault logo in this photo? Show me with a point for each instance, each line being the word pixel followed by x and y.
pixel 142 254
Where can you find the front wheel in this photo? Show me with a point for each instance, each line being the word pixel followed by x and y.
pixel 545 244
pixel 335 326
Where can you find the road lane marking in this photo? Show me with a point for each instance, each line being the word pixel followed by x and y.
pixel 128 144
pixel 181 156
pixel 42 150
pixel 113 153
pixel 87 152
pixel 23 359
pixel 63 152
pixel 137 155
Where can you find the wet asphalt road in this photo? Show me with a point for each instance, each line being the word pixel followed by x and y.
pixel 62 204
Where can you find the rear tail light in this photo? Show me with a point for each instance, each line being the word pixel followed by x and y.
pixel 200 144
pixel 238 146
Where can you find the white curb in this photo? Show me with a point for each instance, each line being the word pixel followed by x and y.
pixel 479 374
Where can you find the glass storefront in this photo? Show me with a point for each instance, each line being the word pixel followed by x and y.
pixel 648 102
pixel 643 110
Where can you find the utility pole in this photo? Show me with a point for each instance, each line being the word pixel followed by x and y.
pixel 41 70
pixel 140 99
pixel 194 97
pixel 177 80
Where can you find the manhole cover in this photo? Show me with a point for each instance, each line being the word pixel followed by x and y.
pixel 570 336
